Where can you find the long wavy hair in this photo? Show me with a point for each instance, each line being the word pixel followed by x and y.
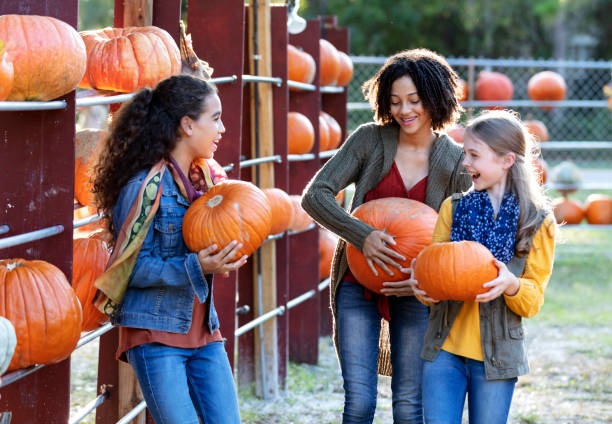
pixel 503 132
pixel 143 132
pixel 436 83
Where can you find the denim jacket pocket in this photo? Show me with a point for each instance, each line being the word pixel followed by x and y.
pixel 170 238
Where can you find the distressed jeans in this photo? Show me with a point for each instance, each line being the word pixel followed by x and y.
pixel 358 324
pixel 449 378
pixel 182 386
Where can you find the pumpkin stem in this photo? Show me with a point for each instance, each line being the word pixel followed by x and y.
pixel 214 201
pixel 13 265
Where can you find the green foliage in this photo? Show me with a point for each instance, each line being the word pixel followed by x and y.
pixel 95 14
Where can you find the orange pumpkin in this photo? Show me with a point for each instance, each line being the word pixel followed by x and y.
pixel 537 129
pixel 6 73
pixel 546 86
pixel 456 132
pixel 329 68
pixel 335 132
pixel 88 143
pixel 38 300
pixel 323 134
pixel 300 220
pixel 301 66
pixel 232 210
pixel 327 247
pixel 281 209
pixel 89 259
pixel 48 56
pixel 411 223
pixel 463 90
pixel 346 69
pixel 567 211
pixel 301 133
pixel 493 86
pixel 454 270
pixel 340 198
pixel 598 209
pixel 126 59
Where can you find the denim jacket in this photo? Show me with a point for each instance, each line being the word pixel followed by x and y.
pixel 167 275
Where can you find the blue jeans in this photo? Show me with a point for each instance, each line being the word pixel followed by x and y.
pixel 180 385
pixel 448 379
pixel 358 324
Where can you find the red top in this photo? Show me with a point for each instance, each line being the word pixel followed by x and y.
pixel 390 186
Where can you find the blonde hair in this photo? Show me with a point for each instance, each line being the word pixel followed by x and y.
pixel 504 133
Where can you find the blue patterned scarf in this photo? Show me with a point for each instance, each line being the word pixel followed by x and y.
pixel 475 220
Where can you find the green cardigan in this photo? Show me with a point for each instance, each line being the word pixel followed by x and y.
pixel 364 159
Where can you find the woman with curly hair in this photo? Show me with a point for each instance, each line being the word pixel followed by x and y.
pixel 404 153
pixel 160 294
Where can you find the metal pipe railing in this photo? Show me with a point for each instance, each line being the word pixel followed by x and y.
pixel 259 161
pixel 260 319
pixel 331 89
pixel 31 236
pixel 133 413
pixel 301 298
pixel 507 63
pixel 30 106
pixel 94 334
pixel 4 229
pixel 223 80
pixel 300 158
pixel 87 220
pixel 511 103
pixel 301 85
pixel 254 78
pixel 309 228
pixel 327 153
pixel 18 374
pixel 89 408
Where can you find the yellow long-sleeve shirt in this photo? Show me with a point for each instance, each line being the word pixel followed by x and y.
pixel 464 338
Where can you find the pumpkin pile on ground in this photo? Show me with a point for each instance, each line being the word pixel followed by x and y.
pixel 31 49
pixel 411 223
pixel 567 211
pixel 598 209
pixel 232 210
pixel 126 59
pixel 38 300
pixel 89 259
pixel 454 270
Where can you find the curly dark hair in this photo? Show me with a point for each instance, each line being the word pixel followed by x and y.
pixel 143 132
pixel 435 80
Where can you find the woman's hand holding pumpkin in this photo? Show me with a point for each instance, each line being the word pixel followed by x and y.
pixel 375 251
pixel 220 262
pixel 505 283
pixel 409 287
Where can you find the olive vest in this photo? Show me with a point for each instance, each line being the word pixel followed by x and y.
pixel 501 330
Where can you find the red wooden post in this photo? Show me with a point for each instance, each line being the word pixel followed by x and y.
pixel 304 268
pixel 335 105
pixel 35 194
pixel 209 23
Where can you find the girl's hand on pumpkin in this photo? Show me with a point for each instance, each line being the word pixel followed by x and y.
pixel 220 263
pixel 409 287
pixel 375 251
pixel 505 283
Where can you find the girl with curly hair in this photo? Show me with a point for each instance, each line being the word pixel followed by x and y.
pixel 157 160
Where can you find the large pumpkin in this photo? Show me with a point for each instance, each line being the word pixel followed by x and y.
pixel 567 211
pixel 546 86
pixel 335 132
pixel 300 220
pixel 126 59
pixel 8 342
pixel 537 129
pixel 454 270
pixel 598 209
pixel 38 300
pixel 48 56
pixel 330 63
pixel 411 223
pixel 346 69
pixel 89 259
pixel 327 247
pixel 493 86
pixel 301 66
pixel 88 143
pixel 301 133
pixel 281 209
pixel 6 73
pixel 323 134
pixel 231 210
pixel 463 90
